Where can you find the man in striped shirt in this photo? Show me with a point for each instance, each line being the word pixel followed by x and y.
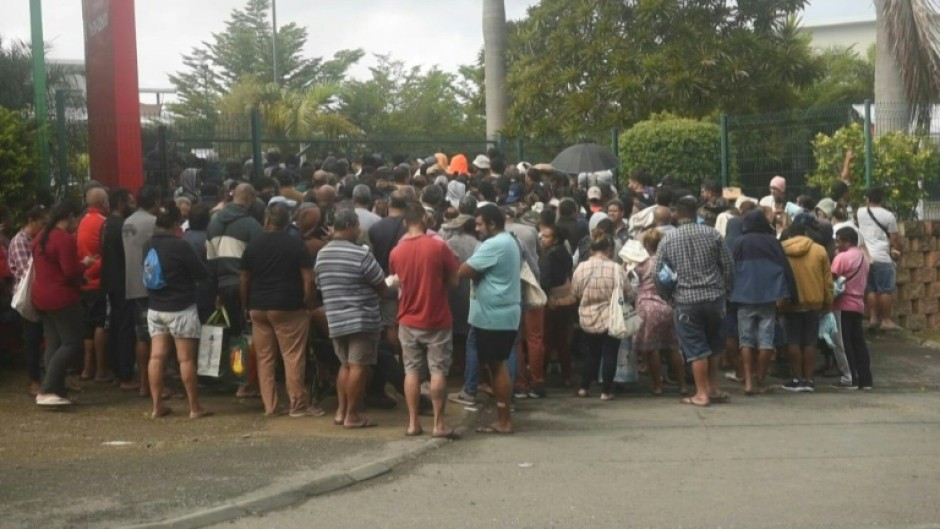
pixel 351 282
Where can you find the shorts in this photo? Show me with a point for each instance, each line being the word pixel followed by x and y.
pixel 698 327
pixel 756 324
pixel 94 310
pixel 141 320
pixel 494 346
pixel 182 324
pixel 434 346
pixel 389 310
pixel 882 278
pixel 361 349
pixel 802 328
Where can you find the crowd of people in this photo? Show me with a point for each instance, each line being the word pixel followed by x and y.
pixel 397 271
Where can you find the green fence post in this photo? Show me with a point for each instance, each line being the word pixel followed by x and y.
pixel 39 92
pixel 869 150
pixel 520 150
pixel 164 155
pixel 725 162
pixel 62 153
pixel 256 142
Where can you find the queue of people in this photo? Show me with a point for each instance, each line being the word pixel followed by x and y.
pixel 404 271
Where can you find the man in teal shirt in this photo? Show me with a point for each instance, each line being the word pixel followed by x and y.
pixel 495 305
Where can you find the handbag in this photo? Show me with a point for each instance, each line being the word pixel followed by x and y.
pixel 22 300
pixel 532 294
pixel 624 319
pixel 211 343
pixel 562 296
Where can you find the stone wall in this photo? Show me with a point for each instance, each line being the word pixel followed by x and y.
pixel 917 302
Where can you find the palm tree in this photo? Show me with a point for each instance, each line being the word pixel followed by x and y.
pixel 494 43
pixel 907 63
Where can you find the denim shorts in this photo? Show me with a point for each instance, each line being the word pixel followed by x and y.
pixel 756 325
pixel 698 327
pixel 882 278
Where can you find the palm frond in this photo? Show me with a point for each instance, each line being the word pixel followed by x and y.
pixel 915 41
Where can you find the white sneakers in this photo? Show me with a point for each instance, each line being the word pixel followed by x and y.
pixel 52 401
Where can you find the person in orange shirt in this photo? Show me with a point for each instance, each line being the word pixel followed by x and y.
pixel 94 300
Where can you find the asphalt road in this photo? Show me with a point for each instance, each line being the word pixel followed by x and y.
pixel 829 459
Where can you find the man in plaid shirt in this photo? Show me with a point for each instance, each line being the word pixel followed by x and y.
pixel 20 254
pixel 704 272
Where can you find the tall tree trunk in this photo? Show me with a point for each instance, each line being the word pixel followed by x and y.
pixel 893 110
pixel 494 42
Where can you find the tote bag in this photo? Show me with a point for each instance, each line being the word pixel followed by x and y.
pixel 23 296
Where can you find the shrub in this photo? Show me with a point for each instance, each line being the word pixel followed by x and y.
pixel 901 162
pixel 686 149
pixel 16 158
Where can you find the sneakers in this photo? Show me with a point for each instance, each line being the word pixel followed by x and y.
pixel 800 386
pixel 866 388
pixel 52 400
pixel 462 398
pixel 844 385
pixel 731 375
pixel 537 393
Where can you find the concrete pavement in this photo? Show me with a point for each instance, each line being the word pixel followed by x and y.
pixel 830 459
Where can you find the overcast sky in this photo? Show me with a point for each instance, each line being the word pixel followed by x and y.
pixel 446 33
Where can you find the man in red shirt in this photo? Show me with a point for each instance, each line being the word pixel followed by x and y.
pixel 94 299
pixel 426 268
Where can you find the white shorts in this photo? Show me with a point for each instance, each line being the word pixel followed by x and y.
pixel 182 324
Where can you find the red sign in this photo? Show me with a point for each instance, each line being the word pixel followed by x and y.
pixel 113 93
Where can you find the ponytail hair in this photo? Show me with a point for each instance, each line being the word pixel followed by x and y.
pixel 601 241
pixel 60 212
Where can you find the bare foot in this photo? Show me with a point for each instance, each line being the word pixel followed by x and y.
pixel 200 414
pixel 161 412
pixel 129 386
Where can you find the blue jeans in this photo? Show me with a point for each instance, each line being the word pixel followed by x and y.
pixel 882 278
pixel 471 374
pixel 698 327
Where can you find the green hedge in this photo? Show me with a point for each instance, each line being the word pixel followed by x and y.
pixel 665 145
pixel 16 158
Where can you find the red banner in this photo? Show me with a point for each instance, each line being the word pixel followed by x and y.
pixel 113 93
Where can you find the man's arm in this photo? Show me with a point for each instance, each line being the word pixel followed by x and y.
pixel 726 263
pixel 465 271
pixel 847 166
pixel 310 288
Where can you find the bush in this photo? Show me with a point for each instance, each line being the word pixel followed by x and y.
pixel 665 145
pixel 901 162
pixel 16 158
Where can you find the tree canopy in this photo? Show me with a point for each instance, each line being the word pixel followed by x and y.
pixel 596 65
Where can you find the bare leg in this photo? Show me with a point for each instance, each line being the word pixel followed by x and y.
pixel 747 361
pixel 186 354
pixel 439 401
pixel 764 358
pixel 884 312
pixel 88 367
pixel 355 387
pixel 809 362
pixel 342 379
pixel 103 371
pixel 700 370
pixel 871 309
pixel 654 364
pixel 155 366
pixel 502 391
pixel 412 398
pixel 142 352
pixel 678 367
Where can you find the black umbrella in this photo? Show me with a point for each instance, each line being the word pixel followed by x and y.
pixel 585 158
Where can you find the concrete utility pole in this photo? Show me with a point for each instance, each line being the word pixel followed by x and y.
pixel 39 92
pixel 494 59
pixel 277 76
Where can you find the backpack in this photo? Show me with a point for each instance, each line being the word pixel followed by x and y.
pixel 153 272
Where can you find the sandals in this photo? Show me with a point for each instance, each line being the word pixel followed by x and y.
pixel 689 400
pixel 366 423
pixel 493 430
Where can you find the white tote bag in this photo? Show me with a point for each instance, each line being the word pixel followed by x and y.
pixel 624 320
pixel 211 345
pixel 23 295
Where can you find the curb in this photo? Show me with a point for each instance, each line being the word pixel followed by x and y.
pixel 255 504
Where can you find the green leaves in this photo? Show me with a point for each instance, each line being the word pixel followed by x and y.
pixel 16 156
pixel 666 145
pixel 901 163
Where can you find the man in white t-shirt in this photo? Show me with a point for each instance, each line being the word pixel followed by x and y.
pixel 879 229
